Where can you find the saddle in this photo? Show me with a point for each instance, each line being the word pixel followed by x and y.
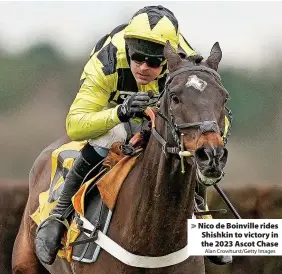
pixel 95 200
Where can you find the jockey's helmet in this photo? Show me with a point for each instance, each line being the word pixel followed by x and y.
pixel 149 29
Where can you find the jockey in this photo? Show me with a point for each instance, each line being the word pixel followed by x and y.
pixel 123 67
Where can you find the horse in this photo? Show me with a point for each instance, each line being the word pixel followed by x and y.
pixel 13 197
pixel 157 196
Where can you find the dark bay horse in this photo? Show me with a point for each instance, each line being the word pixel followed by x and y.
pixel 157 198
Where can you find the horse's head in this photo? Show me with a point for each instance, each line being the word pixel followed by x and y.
pixel 193 105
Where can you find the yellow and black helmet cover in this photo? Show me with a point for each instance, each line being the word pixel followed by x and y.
pixel 150 28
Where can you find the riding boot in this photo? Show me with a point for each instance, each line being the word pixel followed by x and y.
pixel 49 232
pixel 202 205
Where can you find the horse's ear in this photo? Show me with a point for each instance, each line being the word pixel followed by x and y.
pixel 215 56
pixel 173 59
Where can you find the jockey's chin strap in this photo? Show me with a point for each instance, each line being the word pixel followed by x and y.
pixel 205 126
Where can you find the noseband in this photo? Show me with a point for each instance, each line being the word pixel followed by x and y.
pixel 205 126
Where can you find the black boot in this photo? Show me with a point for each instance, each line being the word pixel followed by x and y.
pixel 49 232
pixel 202 205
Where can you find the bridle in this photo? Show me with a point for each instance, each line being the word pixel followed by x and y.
pixel 204 126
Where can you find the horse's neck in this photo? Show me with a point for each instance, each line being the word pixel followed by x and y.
pixel 161 202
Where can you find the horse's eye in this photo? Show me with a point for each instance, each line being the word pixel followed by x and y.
pixel 175 99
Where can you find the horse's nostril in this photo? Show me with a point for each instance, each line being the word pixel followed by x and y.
pixel 224 155
pixel 201 155
pixel 208 156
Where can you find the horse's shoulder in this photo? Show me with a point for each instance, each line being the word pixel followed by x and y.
pixel 43 160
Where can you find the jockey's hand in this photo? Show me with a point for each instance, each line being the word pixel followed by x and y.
pixel 133 105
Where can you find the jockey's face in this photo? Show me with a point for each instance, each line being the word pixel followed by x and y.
pixel 143 73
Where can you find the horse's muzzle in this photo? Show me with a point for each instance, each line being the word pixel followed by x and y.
pixel 211 160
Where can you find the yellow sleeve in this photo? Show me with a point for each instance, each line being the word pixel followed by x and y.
pixel 185 46
pixel 87 118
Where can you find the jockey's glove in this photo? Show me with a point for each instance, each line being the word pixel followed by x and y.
pixel 133 105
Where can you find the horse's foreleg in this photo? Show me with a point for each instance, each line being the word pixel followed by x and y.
pixel 24 260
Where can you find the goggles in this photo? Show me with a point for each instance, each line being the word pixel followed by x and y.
pixel 153 62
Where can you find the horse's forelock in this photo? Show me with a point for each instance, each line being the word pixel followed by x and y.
pixel 196 59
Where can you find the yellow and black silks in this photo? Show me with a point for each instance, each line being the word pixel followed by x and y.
pixel 105 82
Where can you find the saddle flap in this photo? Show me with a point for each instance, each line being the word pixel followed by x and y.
pixel 110 184
pixel 78 200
